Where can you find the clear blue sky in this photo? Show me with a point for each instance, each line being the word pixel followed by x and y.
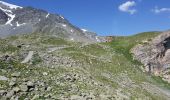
pixel 109 17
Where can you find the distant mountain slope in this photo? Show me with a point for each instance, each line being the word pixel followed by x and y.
pixel 22 20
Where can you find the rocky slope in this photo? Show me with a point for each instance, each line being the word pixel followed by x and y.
pixel 39 67
pixel 22 20
pixel 44 57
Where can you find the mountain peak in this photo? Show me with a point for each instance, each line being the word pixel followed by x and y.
pixel 11 6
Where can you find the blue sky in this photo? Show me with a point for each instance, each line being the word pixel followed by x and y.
pixel 109 17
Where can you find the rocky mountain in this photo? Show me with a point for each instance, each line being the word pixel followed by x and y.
pixel 22 20
pixel 44 57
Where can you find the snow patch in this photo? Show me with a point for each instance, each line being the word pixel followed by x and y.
pixel 47 15
pixel 64 25
pixel 5 10
pixel 20 24
pixel 72 31
pixel 84 30
pixel 11 19
pixel 10 14
pixel 62 17
pixel 11 6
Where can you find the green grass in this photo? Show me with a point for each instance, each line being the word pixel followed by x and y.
pixel 158 80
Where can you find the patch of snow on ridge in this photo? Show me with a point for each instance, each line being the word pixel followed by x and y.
pixel 47 15
pixel 11 6
pixel 72 31
pixel 10 14
pixel 62 17
pixel 11 19
pixel 20 24
pixel 64 25
pixel 5 10
pixel 84 30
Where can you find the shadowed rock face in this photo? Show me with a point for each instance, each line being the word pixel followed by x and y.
pixel 3 17
pixel 155 55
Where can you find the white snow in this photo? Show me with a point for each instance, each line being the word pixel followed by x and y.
pixel 47 15
pixel 10 14
pixel 62 17
pixel 84 30
pixel 20 24
pixel 11 6
pixel 72 31
pixel 5 10
pixel 64 25
pixel 11 19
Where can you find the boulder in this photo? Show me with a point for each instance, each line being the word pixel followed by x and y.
pixel 16 74
pixel 3 78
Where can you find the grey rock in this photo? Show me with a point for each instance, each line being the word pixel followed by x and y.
pixel 12 83
pixel 2 92
pixel 35 97
pixel 9 94
pixel 3 78
pixel 29 83
pixel 16 89
pixel 14 79
pixel 3 17
pixel 23 88
pixel 45 73
pixel 16 74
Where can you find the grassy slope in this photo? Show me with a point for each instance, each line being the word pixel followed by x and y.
pixel 109 65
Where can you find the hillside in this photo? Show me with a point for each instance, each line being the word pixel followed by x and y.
pixel 45 57
pixel 40 67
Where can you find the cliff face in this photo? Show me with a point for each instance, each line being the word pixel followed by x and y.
pixel 155 55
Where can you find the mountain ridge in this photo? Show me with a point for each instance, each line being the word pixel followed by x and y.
pixel 59 63
pixel 19 20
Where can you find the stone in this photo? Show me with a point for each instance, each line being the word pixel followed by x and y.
pixel 12 83
pixel 9 94
pixel 23 88
pixel 16 89
pixel 29 83
pixel 45 73
pixel 49 88
pixel 14 79
pixel 35 97
pixel 3 78
pixel 2 92
pixel 16 74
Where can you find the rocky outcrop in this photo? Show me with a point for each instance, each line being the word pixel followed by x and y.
pixel 3 17
pixel 155 54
